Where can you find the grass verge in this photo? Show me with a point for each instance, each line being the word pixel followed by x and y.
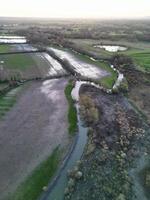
pixel 40 177
pixel 8 100
pixel 72 113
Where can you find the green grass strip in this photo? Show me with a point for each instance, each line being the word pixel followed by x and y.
pixel 8 100
pixel 72 113
pixel 40 177
pixel 5 48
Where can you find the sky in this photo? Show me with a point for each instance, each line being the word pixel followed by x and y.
pixel 75 8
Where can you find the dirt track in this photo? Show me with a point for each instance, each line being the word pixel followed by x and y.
pixel 31 130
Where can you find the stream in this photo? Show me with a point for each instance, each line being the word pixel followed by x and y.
pixel 57 187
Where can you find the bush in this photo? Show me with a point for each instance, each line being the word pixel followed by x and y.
pixel 88 110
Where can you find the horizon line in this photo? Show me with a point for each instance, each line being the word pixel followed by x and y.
pixel 76 18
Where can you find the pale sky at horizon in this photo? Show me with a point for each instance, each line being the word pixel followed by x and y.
pixel 75 8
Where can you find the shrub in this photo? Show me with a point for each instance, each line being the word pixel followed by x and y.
pixel 88 110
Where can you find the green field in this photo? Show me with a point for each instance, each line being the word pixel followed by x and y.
pixel 4 48
pixel 8 100
pixel 17 61
pixel 139 51
pixel 72 113
pixel 88 44
pixel 142 61
pixel 32 187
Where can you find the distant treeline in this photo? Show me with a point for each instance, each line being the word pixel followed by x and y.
pixel 113 30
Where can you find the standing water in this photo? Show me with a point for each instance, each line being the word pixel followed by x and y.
pixel 56 190
pixel 111 48
pixel 80 66
pixel 12 39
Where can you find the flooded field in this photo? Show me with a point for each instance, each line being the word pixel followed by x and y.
pixel 56 68
pixel 23 47
pixel 80 66
pixel 12 39
pixel 31 130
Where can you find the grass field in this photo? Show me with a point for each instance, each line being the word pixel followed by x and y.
pixel 139 51
pixel 40 177
pixel 8 100
pixel 4 48
pixel 133 47
pixel 142 60
pixel 17 61
pixel 72 113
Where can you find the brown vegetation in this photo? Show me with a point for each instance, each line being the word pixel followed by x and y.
pixel 89 112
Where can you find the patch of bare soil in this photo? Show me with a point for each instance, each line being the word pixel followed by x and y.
pixel 31 130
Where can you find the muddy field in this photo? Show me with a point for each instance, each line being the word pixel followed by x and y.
pixel 31 130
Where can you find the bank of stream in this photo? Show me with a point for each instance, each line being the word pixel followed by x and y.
pixel 57 187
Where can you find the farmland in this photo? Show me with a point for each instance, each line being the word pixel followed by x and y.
pixel 4 48
pixel 140 52
pixel 25 66
pixel 45 130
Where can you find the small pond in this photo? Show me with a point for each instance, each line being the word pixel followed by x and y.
pixel 111 48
